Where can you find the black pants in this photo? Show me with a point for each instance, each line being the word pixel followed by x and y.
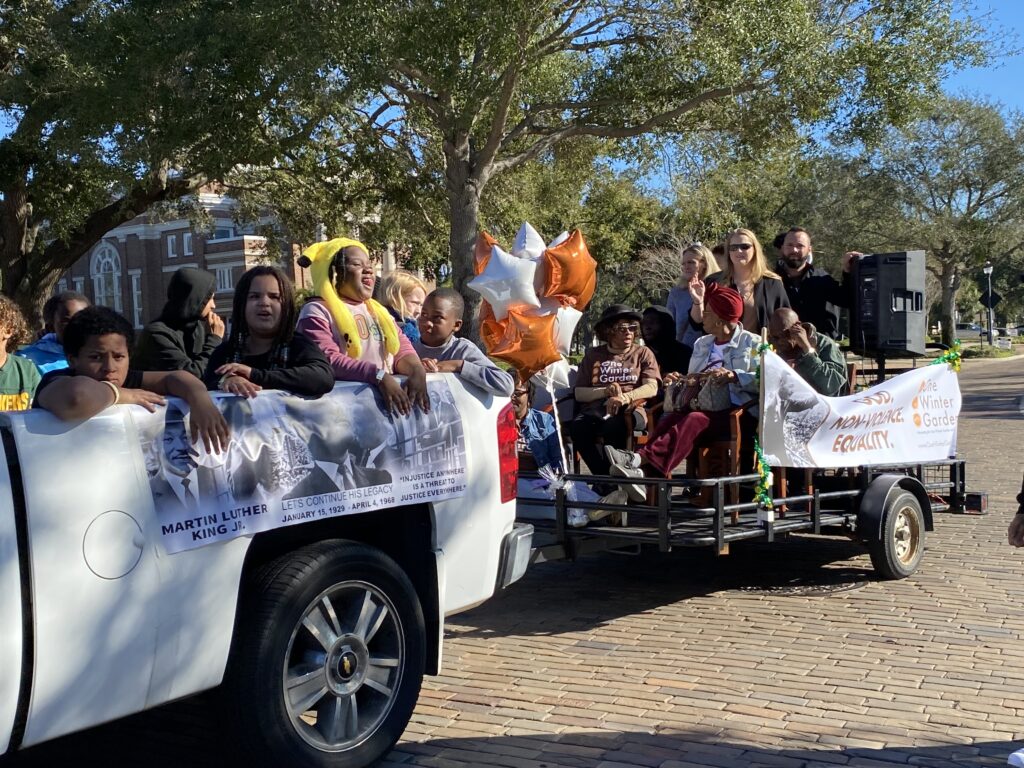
pixel 590 432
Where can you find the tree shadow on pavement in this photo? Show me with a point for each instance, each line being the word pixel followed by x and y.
pixel 171 738
pixel 684 749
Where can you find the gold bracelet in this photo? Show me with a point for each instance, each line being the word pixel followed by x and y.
pixel 115 390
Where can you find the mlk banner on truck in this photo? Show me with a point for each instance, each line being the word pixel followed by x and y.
pixel 291 460
pixel 909 418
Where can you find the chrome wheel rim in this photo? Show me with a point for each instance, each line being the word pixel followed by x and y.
pixel 906 535
pixel 344 665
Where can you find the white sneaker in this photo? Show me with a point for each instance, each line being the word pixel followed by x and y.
pixel 620 458
pixel 635 491
pixel 1016 759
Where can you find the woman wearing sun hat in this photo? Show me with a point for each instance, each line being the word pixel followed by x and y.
pixel 612 378
pixel 727 353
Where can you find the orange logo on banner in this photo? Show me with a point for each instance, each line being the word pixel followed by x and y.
pixel 927 402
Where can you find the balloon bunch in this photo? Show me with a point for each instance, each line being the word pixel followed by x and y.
pixel 533 298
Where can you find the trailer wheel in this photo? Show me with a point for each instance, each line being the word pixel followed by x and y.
pixel 328 658
pixel 898 552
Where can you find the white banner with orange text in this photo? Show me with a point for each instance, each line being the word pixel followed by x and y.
pixel 909 418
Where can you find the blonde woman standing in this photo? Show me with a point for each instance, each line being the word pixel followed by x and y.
pixel 697 263
pixel 403 294
pixel 746 271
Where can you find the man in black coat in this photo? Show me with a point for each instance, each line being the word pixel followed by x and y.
pixel 813 293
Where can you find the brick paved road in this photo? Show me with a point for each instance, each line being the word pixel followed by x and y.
pixel 789 655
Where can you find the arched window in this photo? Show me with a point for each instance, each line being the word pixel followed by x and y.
pixel 106 277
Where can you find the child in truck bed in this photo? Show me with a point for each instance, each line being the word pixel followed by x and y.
pixel 443 352
pixel 263 350
pixel 18 376
pixel 98 376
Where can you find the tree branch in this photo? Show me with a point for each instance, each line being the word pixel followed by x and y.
pixel 549 140
pixel 63 253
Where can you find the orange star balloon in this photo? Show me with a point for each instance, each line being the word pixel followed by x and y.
pixel 528 344
pixel 482 251
pixel 571 272
pixel 491 329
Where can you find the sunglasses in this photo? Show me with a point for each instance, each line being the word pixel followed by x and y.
pixel 520 392
pixel 626 328
pixel 741 246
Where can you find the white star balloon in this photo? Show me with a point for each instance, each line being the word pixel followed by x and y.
pixel 528 243
pixel 506 282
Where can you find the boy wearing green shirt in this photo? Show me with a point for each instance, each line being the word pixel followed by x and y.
pixel 18 376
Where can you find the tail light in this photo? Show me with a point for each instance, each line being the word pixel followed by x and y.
pixel 508 454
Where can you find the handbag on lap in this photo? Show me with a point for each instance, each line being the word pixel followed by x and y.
pixel 707 395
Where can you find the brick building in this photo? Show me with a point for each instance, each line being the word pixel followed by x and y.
pixel 129 269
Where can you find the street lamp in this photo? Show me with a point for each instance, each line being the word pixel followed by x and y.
pixel 987 269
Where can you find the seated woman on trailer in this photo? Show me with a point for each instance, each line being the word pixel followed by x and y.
pixel 726 356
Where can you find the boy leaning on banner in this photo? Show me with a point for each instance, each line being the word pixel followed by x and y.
pixel 97 342
pixel 441 351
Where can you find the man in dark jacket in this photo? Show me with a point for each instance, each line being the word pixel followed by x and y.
pixel 813 293
pixel 813 355
pixel 188 329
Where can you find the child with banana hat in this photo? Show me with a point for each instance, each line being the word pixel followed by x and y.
pixel 357 334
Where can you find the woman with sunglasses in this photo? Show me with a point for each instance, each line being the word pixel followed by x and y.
pixel 746 271
pixel 612 378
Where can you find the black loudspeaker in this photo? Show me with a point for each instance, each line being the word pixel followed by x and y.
pixel 887 314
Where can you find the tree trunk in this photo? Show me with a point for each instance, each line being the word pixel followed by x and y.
pixel 30 301
pixel 464 212
pixel 950 286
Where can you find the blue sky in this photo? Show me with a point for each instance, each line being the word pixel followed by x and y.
pixel 1002 82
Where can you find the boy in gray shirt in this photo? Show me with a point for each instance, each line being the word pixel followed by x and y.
pixel 443 352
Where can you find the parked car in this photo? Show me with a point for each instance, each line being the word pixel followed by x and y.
pixel 1009 331
pixel 974 331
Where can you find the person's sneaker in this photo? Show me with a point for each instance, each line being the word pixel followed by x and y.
pixel 635 491
pixel 619 458
pixel 618 496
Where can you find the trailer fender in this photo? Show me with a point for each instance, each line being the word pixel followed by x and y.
pixel 872 504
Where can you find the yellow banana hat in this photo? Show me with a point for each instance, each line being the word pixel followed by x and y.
pixel 318 258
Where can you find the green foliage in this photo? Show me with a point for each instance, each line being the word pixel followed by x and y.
pixel 464 93
pixel 986 352
pixel 112 108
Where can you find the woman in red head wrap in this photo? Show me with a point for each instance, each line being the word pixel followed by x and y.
pixel 726 356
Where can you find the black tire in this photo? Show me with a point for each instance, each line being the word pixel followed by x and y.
pixel 899 551
pixel 338 616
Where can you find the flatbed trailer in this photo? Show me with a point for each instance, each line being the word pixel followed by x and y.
pixel 889 509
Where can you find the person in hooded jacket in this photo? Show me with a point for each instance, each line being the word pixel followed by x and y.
pixel 658 329
pixel 188 329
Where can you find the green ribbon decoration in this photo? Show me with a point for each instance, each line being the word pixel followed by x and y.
pixel 762 490
pixel 951 356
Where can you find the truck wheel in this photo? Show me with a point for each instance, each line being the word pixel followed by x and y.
pixel 897 554
pixel 328 658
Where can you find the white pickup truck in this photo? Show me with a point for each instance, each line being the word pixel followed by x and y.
pixel 317 608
